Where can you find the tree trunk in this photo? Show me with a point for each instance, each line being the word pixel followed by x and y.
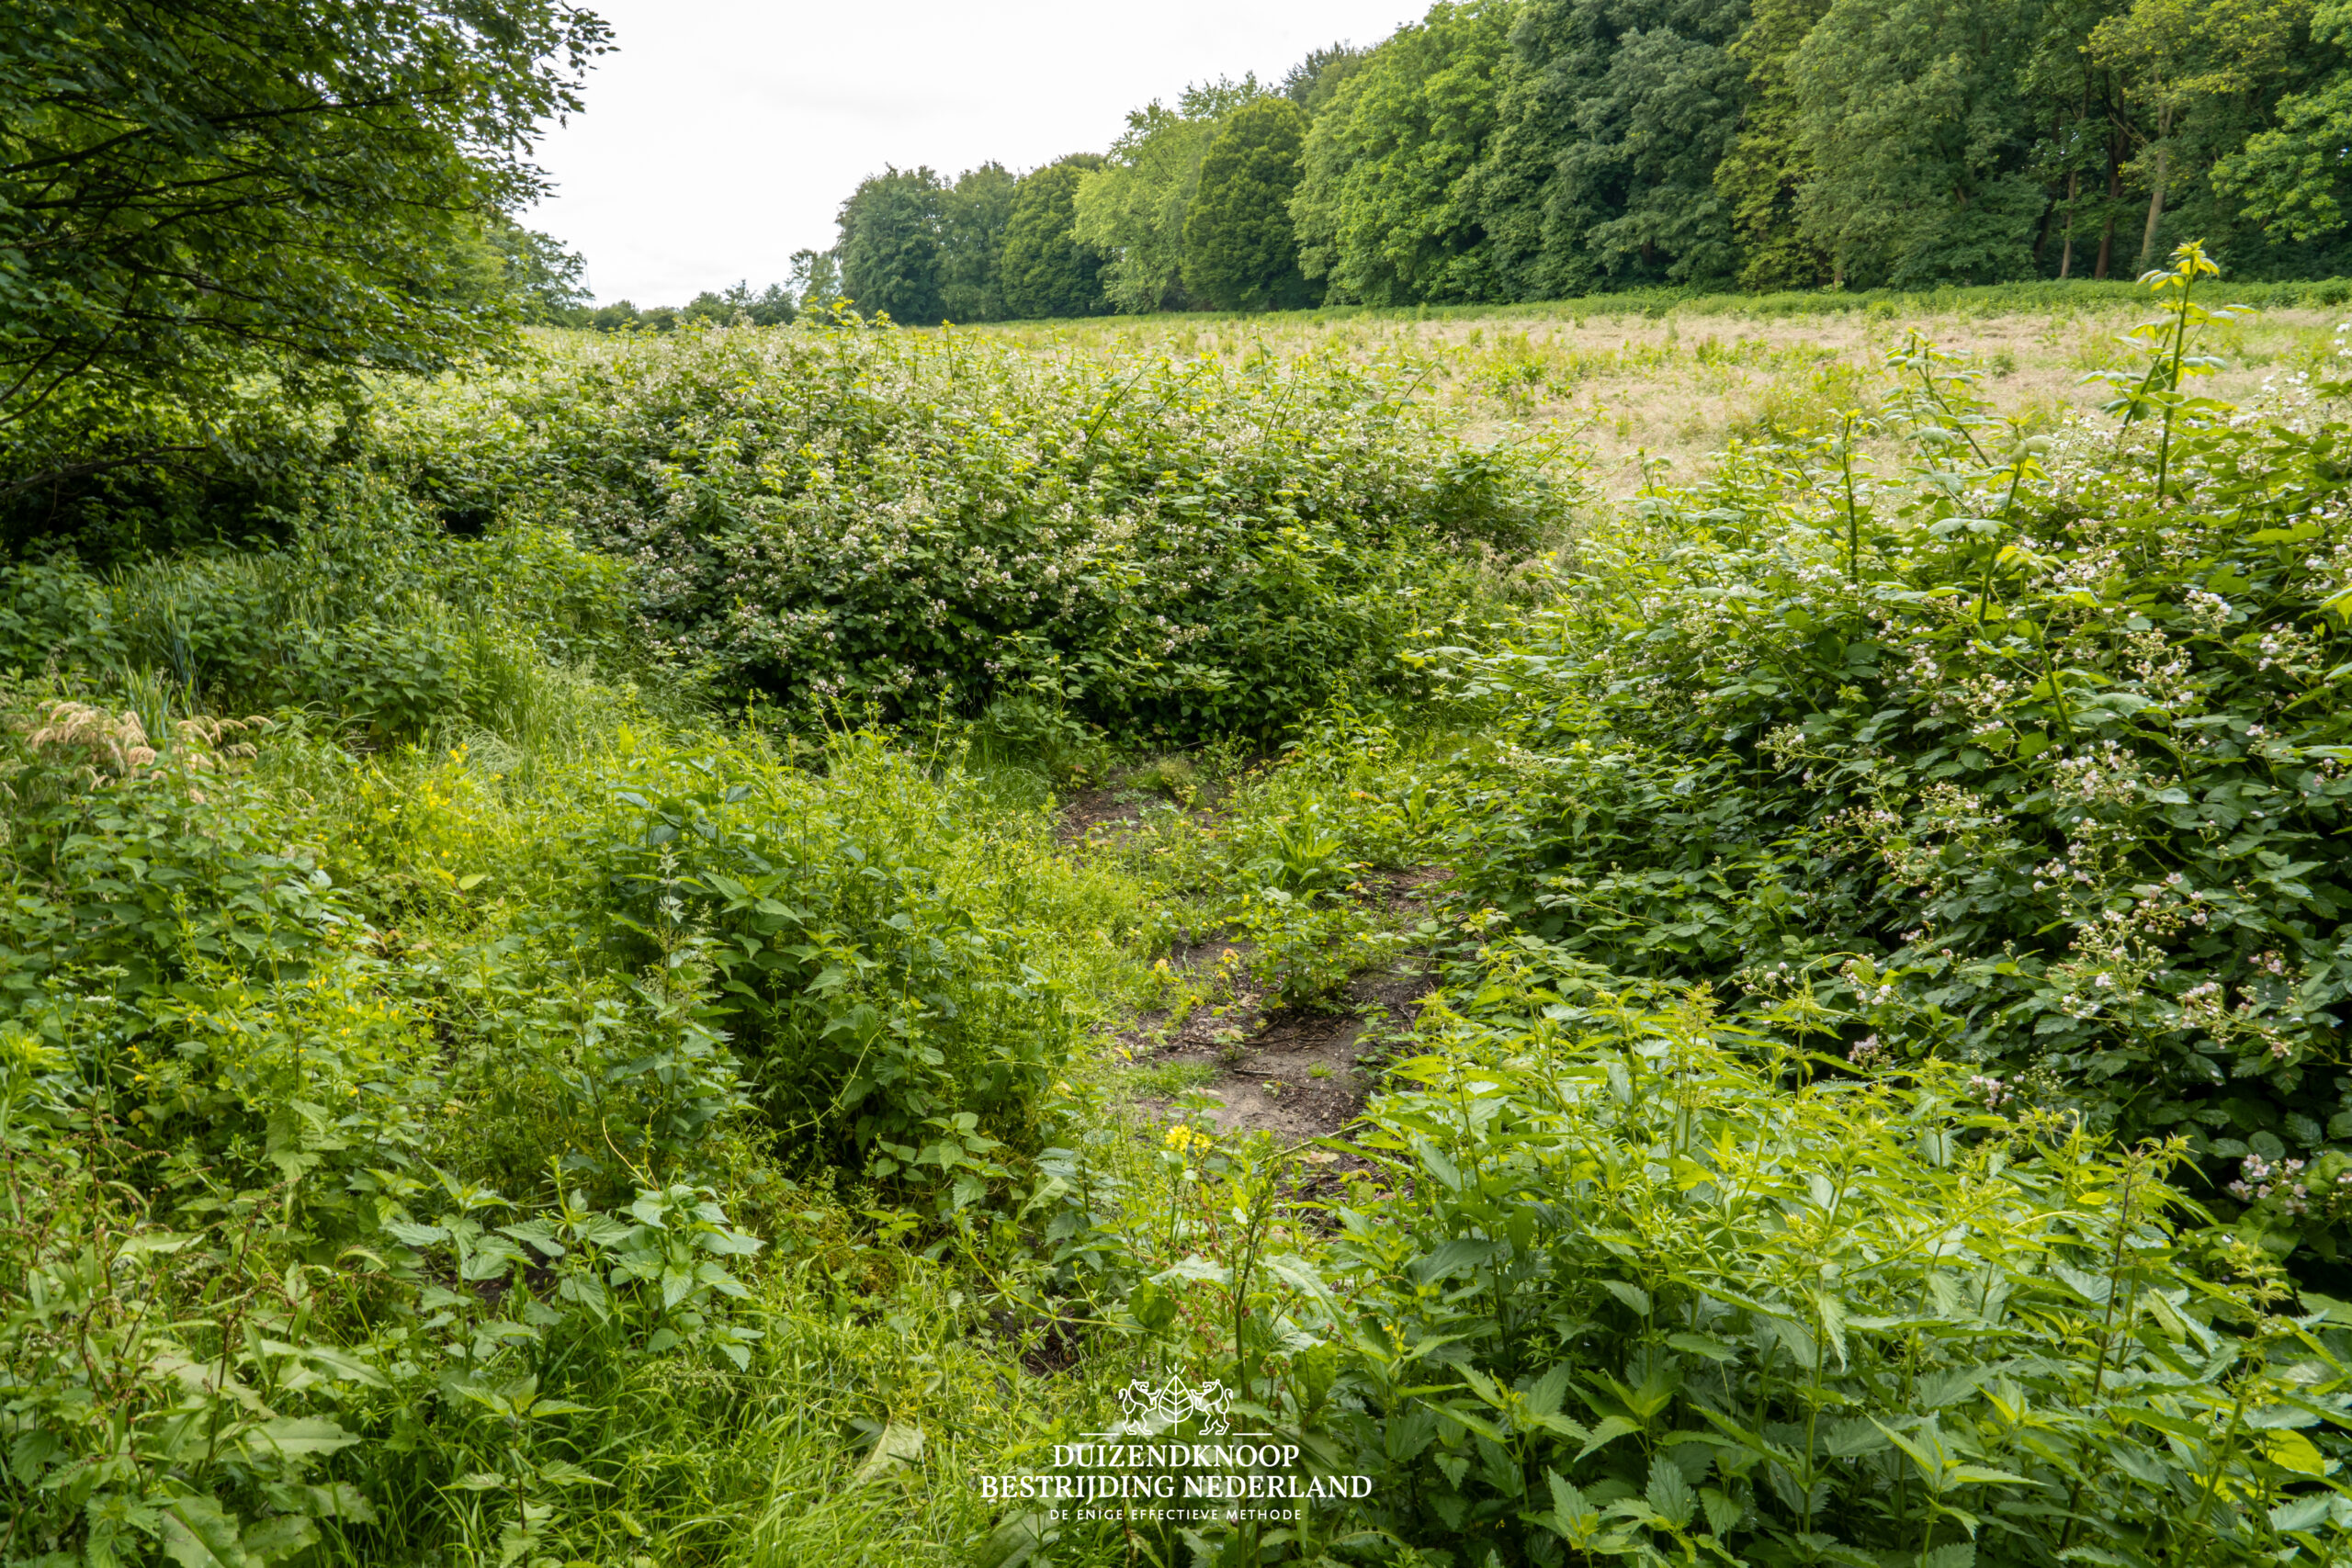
pixel 2155 197
pixel 2041 233
pixel 2155 213
pixel 2066 255
pixel 2107 235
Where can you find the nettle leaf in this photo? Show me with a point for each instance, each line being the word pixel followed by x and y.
pixel 1608 1430
pixel 1633 1296
pixel 1670 1493
pixel 1544 1394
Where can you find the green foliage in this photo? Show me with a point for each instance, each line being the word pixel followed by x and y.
pixel 1304 951
pixel 891 244
pixel 1612 118
pixel 1312 83
pixel 977 209
pixel 1132 210
pixel 195 195
pixel 396 1138
pixel 1766 165
pixel 548 282
pixel 1648 1299
pixel 1548 149
pixel 882 1019
pixel 1386 213
pixel 918 250
pixel 1045 269
pixel 1911 126
pixel 2289 176
pixel 2033 746
pixel 365 614
pixel 937 524
pixel 1240 252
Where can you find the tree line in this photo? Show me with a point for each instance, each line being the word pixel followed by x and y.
pixel 1511 150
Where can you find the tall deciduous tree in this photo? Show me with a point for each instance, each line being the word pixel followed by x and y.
pixel 1765 166
pixel 1386 212
pixel 1046 270
pixel 2174 54
pixel 1910 118
pixel 1132 210
pixel 1312 83
pixel 547 282
pixel 193 192
pixel 889 246
pixel 1239 250
pixel 1613 116
pixel 814 281
pixel 974 216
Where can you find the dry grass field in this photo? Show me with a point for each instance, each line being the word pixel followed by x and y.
pixel 1618 381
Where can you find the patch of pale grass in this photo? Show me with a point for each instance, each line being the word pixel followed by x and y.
pixel 1620 384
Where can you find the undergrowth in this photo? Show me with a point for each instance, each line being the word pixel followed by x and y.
pixel 505 1058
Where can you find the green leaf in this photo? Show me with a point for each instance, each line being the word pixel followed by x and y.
pixel 198 1534
pixel 1633 1295
pixel 279 1537
pixel 1574 1520
pixel 1670 1493
pixel 1543 1395
pixel 1706 1345
pixel 1609 1430
pixel 1153 1307
pixel 297 1435
pixel 900 1443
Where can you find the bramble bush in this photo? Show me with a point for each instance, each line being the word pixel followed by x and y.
pixel 2035 752
pixel 843 515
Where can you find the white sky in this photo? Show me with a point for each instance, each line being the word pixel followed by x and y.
pixel 722 135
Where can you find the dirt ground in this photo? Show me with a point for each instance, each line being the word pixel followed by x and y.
pixel 1296 1075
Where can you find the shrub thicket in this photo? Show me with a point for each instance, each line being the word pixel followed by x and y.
pixel 1647 1298
pixel 2035 750
pixel 933 525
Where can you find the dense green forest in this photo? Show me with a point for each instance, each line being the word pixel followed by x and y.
pixel 1517 149
pixel 756 944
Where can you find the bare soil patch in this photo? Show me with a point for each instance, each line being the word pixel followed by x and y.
pixel 1294 1074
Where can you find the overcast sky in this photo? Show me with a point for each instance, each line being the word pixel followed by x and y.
pixel 722 135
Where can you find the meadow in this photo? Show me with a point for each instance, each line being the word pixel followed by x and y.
pixel 1677 929
pixel 1619 377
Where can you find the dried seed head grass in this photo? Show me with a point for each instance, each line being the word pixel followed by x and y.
pixel 117 743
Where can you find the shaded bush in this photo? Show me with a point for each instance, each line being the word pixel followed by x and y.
pixel 366 612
